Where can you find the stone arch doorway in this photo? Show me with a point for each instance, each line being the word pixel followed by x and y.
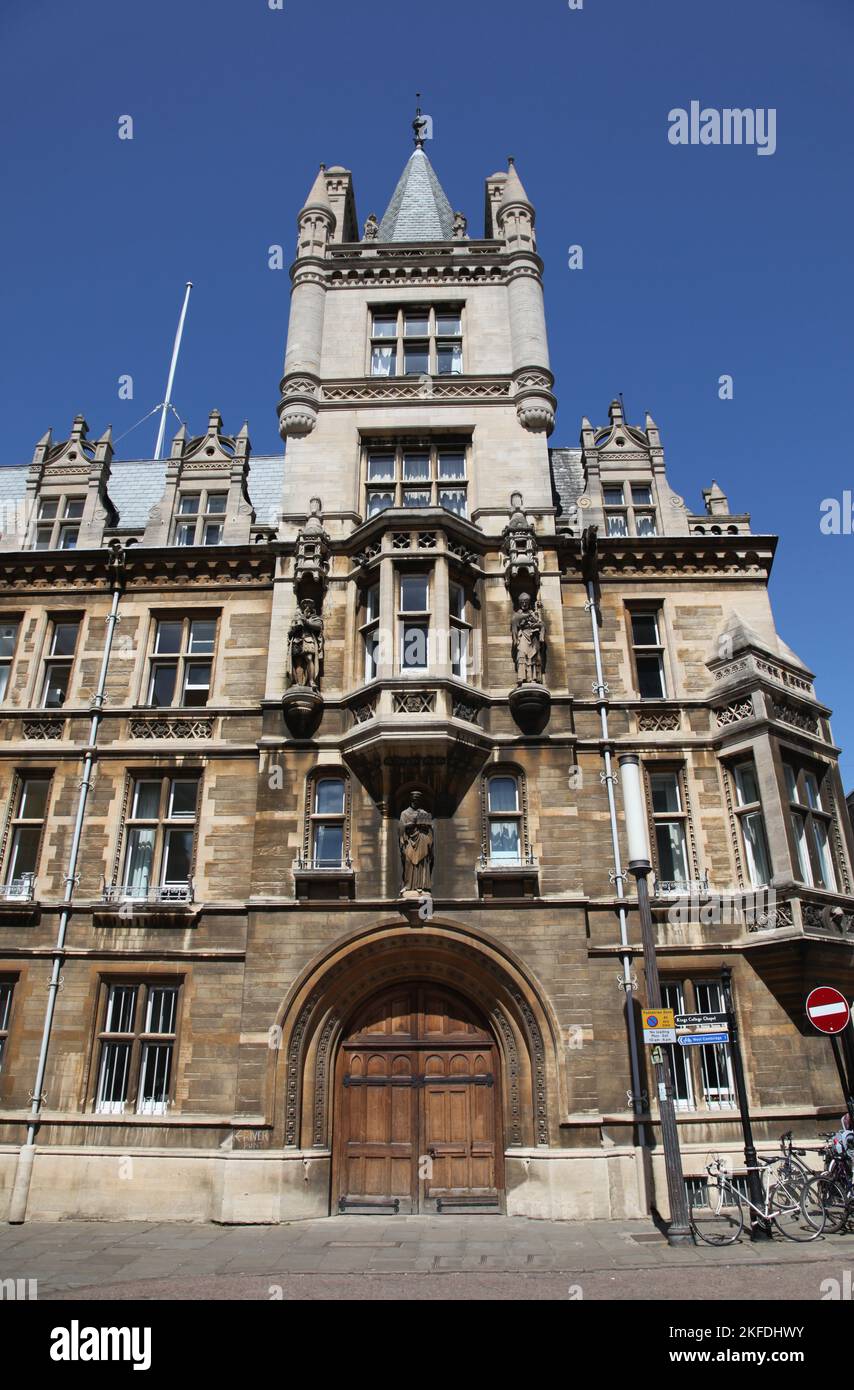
pixel 324 1003
pixel 417 1115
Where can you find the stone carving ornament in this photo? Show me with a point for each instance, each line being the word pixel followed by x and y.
pixel 415 836
pixel 305 646
pixel 528 636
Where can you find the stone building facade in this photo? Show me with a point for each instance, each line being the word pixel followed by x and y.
pixel 343 929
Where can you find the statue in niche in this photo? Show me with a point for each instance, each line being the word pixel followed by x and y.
pixel 528 634
pixel 305 645
pixel 372 228
pixel 415 836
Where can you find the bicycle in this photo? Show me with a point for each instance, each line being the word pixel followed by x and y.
pixel 830 1194
pixel 720 1220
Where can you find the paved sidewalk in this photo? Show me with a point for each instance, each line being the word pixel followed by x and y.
pixel 431 1256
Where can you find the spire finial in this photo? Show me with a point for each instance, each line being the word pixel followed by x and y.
pixel 419 125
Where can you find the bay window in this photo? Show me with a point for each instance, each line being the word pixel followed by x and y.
pixel 748 810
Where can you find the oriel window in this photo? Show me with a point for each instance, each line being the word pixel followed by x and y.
pixel 748 809
pixel 811 822
pixel 370 630
pixel 414 621
pixel 460 632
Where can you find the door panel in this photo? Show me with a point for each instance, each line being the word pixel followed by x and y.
pixel 416 1114
pixel 378 1125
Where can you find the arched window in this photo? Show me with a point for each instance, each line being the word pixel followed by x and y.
pixel 327 837
pixel 505 823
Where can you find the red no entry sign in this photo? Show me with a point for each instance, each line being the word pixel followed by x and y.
pixel 827 1009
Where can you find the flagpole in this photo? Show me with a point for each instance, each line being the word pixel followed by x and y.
pixel 172 365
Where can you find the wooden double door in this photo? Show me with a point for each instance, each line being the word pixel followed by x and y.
pixel 417 1112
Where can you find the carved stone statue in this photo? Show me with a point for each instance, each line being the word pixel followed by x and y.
pixel 372 228
pixel 305 645
pixel 415 836
pixel 460 229
pixel 528 636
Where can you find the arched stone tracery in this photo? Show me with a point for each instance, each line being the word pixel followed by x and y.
pixel 332 989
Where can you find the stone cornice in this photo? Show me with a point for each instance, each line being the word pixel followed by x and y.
pixel 676 557
pixel 69 571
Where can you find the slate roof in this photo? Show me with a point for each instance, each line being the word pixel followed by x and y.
pixel 419 209
pixel 137 484
pixel 567 477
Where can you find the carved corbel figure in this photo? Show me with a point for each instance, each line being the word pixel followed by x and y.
pixel 305 646
pixel 528 636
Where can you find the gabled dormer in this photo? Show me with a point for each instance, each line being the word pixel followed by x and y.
pixel 205 500
pixel 626 489
pixel 67 504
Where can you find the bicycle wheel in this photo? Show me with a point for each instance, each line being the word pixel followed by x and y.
pixel 795 1220
pixel 825 1200
pixel 720 1218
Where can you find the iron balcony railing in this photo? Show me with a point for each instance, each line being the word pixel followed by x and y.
pixel 317 865
pixel 18 889
pixel 163 894
pixel 681 887
pixel 519 860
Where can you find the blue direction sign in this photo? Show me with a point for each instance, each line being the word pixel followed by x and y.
pixel 699 1039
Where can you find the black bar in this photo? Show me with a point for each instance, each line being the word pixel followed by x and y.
pixel 759 1228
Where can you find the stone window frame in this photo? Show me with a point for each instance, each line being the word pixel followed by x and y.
pixel 370 633
pixel 414 619
pixel 694 1070
pixel 19 777
pixel 164 773
pixel 433 340
pixel 628 508
pixel 333 772
pixel 183 658
pixel 8 984
pixel 518 774
pixel 56 618
pixel 654 607
pixel 825 813
pixel 143 982
pixel 679 766
pixel 739 812
pixel 398 446
pixel 54 527
pixel 203 517
pixel 9 620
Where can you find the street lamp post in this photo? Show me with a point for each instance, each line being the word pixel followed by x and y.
pixel 640 866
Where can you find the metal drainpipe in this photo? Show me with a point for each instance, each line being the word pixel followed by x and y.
pixel 627 984
pixel 27 1153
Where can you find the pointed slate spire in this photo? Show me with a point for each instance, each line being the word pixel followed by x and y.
pixel 419 209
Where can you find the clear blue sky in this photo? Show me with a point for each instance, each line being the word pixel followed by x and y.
pixel 697 261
